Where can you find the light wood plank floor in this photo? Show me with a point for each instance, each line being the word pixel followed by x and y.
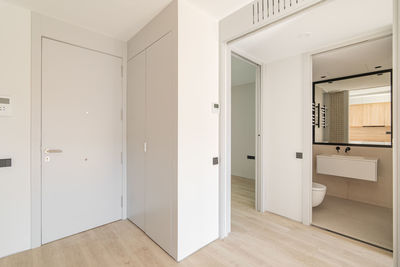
pixel 256 240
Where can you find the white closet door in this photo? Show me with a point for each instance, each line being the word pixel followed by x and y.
pixel 81 139
pixel 161 134
pixel 136 138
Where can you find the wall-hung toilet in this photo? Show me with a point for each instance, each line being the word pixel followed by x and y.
pixel 318 194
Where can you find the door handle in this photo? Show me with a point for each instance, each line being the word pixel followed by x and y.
pixel 53 151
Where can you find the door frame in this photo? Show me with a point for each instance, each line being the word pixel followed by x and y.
pixel 307 99
pixel 44 27
pixel 224 137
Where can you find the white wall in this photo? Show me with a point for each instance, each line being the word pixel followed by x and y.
pixel 243 130
pixel 197 129
pixel 283 137
pixel 15 69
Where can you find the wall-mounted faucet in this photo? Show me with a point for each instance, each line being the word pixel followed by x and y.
pixel 347 149
pixel 338 149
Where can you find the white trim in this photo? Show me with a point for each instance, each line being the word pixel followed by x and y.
pixel 225 139
pixel 259 193
pixel 36 136
pixel 245 56
pixel 224 142
pixel 259 141
pixel 124 131
pixel 307 142
pixel 50 28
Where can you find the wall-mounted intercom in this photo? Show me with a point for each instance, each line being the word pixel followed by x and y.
pixel 5 106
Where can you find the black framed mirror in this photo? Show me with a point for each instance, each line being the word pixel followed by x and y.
pixel 354 110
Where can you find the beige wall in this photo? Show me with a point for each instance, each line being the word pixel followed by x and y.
pixel 377 193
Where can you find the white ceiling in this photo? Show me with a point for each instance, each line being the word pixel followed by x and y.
pixel 331 22
pixel 364 82
pixel 242 72
pixel 220 8
pixel 355 59
pixel 119 19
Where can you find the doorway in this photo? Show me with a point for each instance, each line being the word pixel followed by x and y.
pixel 246 188
pixel 353 122
pixel 285 49
pixel 81 139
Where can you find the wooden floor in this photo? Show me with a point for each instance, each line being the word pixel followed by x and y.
pixel 256 240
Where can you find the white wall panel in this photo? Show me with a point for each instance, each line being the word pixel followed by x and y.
pixel 15 198
pixel 136 138
pixel 161 134
pixel 244 130
pixel 198 182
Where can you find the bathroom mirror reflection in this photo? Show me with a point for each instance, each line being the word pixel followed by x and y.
pixel 354 110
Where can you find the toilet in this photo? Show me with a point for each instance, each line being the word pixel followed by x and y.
pixel 318 194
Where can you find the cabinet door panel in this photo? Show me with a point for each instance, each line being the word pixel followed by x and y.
pixel 136 97
pixel 161 116
pixel 388 114
pixel 356 115
pixel 374 114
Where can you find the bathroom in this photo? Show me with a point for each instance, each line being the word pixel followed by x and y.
pixel 352 142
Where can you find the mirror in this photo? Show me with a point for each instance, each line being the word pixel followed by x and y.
pixel 355 110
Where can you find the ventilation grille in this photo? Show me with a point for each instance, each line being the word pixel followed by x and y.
pixel 264 10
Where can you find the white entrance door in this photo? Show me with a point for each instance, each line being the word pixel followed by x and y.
pixel 81 139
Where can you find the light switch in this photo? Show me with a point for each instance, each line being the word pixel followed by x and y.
pixel 5 106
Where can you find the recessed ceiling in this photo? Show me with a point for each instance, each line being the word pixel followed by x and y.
pixel 242 72
pixel 120 19
pixel 328 23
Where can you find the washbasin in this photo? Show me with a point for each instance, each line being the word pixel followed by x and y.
pixel 355 167
pixel 345 157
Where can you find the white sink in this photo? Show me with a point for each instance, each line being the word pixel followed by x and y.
pixel 356 167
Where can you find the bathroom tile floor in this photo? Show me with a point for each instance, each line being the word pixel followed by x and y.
pixel 369 223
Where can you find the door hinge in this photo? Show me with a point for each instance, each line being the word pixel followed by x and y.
pixel 122 158
pixel 122 71
pixel 122 114
pixel 122 201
